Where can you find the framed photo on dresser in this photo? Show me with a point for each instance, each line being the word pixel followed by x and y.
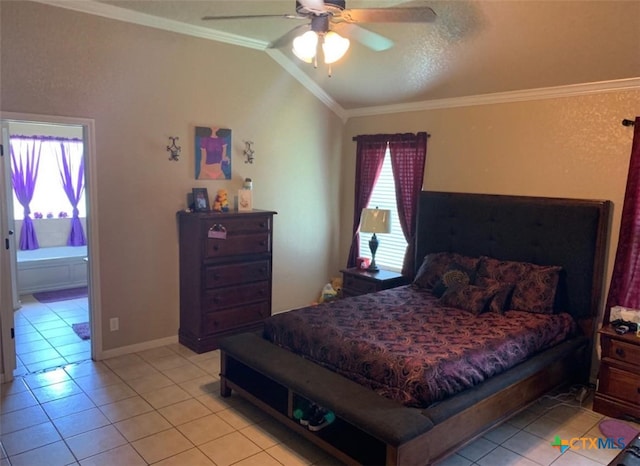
pixel 245 200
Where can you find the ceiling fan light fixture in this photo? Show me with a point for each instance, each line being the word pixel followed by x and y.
pixel 305 46
pixel 334 47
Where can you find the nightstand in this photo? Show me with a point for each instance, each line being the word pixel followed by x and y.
pixel 618 393
pixel 358 281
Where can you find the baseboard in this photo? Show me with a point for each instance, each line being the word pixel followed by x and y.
pixel 136 348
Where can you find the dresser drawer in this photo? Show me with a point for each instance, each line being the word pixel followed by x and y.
pixel 220 321
pixel 356 284
pixel 237 245
pixel 619 384
pixel 233 226
pixel 621 351
pixel 231 296
pixel 346 293
pixel 232 274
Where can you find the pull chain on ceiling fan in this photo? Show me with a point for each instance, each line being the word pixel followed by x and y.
pixel 318 33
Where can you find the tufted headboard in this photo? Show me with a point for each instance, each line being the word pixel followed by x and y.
pixel 572 233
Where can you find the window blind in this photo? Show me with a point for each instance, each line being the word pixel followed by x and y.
pixel 392 246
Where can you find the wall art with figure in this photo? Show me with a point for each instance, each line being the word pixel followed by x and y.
pixel 213 153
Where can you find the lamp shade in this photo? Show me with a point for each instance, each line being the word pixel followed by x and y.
pixel 375 221
pixel 334 47
pixel 305 46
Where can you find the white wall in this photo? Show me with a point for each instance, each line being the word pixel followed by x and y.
pixel 574 147
pixel 140 86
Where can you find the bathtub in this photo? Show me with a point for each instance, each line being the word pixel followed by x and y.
pixel 51 268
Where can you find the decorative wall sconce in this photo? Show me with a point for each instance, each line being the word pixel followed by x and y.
pixel 173 149
pixel 249 153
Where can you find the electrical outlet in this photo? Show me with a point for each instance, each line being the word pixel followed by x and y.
pixel 114 324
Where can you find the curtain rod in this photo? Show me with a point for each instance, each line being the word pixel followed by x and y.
pixel 626 122
pixel 355 138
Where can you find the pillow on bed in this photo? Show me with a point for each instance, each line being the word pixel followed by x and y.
pixel 435 264
pixel 468 297
pixel 455 275
pixel 534 285
pixel 537 292
pixel 502 295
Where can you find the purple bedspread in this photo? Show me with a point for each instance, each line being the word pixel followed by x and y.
pixel 405 346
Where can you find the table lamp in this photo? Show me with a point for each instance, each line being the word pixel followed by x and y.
pixel 375 221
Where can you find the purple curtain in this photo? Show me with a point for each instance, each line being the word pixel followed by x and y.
pixel 408 157
pixel 370 152
pixel 625 279
pixel 72 190
pixel 25 160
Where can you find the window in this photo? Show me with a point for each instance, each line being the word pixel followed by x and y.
pixel 49 196
pixel 392 247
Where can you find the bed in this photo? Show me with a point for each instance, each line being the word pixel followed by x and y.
pixel 501 310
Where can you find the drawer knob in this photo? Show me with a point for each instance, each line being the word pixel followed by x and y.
pixel 620 352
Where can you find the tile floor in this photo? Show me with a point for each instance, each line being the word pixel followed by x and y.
pixel 162 407
pixel 44 337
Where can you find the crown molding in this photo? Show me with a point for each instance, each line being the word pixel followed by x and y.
pixel 143 19
pixel 502 97
pixel 307 82
pixel 122 14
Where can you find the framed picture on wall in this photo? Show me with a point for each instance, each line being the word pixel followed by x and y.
pixel 200 200
pixel 213 153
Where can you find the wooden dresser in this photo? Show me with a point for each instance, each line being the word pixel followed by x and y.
pixel 618 393
pixel 225 283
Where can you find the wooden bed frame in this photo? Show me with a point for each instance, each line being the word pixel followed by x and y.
pixel 370 429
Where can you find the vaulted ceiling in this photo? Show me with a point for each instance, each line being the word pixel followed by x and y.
pixel 472 48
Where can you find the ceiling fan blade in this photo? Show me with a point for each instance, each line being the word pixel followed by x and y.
pixel 390 15
pixel 209 18
pixel 370 39
pixel 287 39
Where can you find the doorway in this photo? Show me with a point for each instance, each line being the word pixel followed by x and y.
pixel 53 286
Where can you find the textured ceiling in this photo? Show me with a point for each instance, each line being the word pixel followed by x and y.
pixel 472 48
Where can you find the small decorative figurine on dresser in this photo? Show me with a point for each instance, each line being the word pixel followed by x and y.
pixel 221 204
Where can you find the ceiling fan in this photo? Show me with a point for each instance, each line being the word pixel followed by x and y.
pixel 328 16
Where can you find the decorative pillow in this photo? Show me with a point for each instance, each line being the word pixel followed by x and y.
pixel 502 271
pixel 534 285
pixel 537 292
pixel 502 296
pixel 468 297
pixel 435 264
pixel 455 275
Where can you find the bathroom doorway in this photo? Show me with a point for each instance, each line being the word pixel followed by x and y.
pixel 53 282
